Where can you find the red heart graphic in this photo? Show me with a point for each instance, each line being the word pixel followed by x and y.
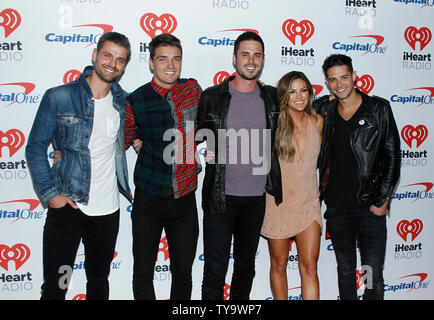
pixel 410 133
pixel 365 83
pixel 405 227
pixel 11 20
pixel 151 23
pixel 221 76
pixel 14 141
pixel 359 279
pixel 413 35
pixel 71 75
pixel 291 28
pixel 19 253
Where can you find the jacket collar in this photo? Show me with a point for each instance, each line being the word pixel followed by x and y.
pixel 115 88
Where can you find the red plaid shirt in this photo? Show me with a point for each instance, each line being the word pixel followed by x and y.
pixel 184 99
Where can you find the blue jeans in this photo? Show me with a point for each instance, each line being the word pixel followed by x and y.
pixel 243 219
pixel 179 219
pixel 369 230
pixel 63 230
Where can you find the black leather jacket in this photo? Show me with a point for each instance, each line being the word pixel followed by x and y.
pixel 375 143
pixel 213 112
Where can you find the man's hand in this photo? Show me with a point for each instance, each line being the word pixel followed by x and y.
pixel 56 156
pixel 137 145
pixel 209 155
pixel 381 211
pixel 60 201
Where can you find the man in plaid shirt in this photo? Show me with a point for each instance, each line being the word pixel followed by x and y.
pixel 162 114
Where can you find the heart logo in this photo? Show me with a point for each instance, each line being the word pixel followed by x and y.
pixel 291 29
pixel 151 23
pixel 413 35
pixel 405 227
pixel 365 83
pixel 221 76
pixel 13 139
pixel 19 253
pixel 410 133
pixel 71 75
pixel 11 20
pixel 359 279
pixel 317 89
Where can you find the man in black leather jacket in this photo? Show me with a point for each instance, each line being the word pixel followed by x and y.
pixel 359 166
pixel 233 197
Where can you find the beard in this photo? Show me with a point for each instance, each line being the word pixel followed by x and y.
pixel 108 78
pixel 248 76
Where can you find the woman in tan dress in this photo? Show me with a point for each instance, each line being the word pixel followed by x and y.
pixel 298 140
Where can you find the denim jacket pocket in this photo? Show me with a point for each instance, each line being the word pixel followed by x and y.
pixel 69 126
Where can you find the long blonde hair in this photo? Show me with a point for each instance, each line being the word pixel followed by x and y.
pixel 285 125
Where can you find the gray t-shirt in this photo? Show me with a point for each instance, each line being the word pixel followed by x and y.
pixel 246 126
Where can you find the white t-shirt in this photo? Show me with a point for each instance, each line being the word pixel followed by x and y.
pixel 104 193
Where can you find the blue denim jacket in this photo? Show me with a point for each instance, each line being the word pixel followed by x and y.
pixel 65 119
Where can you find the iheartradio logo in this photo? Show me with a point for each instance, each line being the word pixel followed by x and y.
pixel 413 35
pixel 19 254
pixel 164 247
pixel 365 83
pixel 71 75
pixel 360 281
pixel 317 89
pixel 405 227
pixel 220 76
pixel 151 23
pixel 11 20
pixel 13 139
pixel 291 29
pixel 226 291
pixel 410 133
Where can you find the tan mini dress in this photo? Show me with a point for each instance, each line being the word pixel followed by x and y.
pixel 300 204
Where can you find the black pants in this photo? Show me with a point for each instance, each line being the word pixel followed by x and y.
pixel 63 230
pixel 370 233
pixel 178 217
pixel 243 219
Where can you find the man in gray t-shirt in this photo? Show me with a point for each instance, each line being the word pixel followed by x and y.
pixel 244 143
pixel 242 115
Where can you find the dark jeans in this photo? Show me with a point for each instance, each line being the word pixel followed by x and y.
pixel 370 233
pixel 178 217
pixel 243 219
pixel 63 230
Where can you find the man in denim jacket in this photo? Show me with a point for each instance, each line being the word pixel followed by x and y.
pixel 84 120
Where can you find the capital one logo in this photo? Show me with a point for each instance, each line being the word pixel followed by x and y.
pixel 151 23
pixel 71 75
pixel 365 83
pixel 410 133
pixel 421 99
pixel 12 139
pixel 20 97
pixel 304 29
pixel 405 227
pixel 11 20
pixel 413 35
pixel 423 193
pixel 19 253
